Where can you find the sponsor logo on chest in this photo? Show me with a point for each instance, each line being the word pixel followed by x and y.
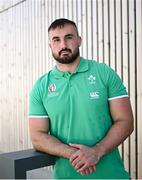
pixel 92 81
pixel 94 95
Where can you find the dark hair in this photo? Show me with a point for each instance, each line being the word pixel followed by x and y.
pixel 61 23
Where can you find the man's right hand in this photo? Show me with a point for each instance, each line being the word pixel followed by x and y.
pixel 84 160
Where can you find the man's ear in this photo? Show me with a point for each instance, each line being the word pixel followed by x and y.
pixel 49 44
pixel 80 40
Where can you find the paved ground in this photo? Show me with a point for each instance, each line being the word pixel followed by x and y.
pixel 41 173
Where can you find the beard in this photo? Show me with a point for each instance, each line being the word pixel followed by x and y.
pixel 67 59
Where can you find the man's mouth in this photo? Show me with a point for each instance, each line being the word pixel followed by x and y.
pixel 65 52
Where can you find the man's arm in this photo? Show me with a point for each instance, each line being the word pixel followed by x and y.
pixel 122 127
pixel 42 141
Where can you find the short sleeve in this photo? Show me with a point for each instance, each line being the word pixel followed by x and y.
pixel 115 86
pixel 36 107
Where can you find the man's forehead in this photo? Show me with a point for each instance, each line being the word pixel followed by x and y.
pixel 63 30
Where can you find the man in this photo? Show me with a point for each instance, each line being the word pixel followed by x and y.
pixel 79 111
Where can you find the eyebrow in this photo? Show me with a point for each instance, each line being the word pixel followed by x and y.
pixel 56 37
pixel 69 35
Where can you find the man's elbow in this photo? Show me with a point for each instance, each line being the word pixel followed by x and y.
pixel 131 126
pixel 36 142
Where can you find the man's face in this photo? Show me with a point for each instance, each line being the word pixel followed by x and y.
pixel 64 44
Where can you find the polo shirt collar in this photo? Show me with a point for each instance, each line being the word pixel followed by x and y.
pixel 82 67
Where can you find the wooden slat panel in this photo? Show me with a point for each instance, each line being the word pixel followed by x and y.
pixel 132 85
pixel 100 32
pixel 139 84
pixel 125 67
pixel 112 34
pixel 84 28
pixel 95 29
pixel 106 33
pixel 89 29
pixel 118 43
pixel 118 38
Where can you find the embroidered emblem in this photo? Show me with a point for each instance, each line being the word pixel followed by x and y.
pixel 52 88
pixel 94 95
pixel 92 79
pixel 52 91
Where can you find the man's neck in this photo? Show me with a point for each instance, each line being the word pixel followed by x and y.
pixel 68 67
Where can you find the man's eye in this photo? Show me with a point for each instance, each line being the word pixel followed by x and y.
pixel 69 37
pixel 56 40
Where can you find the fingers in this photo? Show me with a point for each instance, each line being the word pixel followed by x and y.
pixel 84 160
pixel 88 170
pixel 77 163
pixel 74 157
pixel 78 146
pixel 83 167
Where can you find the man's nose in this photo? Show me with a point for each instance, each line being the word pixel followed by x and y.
pixel 63 44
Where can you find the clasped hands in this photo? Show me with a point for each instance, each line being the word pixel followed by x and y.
pixel 84 159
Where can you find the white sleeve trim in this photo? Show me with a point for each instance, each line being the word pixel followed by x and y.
pixel 37 116
pixel 109 99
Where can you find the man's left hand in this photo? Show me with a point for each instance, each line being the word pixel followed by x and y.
pixel 84 160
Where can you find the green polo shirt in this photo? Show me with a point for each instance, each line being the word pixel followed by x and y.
pixel 78 110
